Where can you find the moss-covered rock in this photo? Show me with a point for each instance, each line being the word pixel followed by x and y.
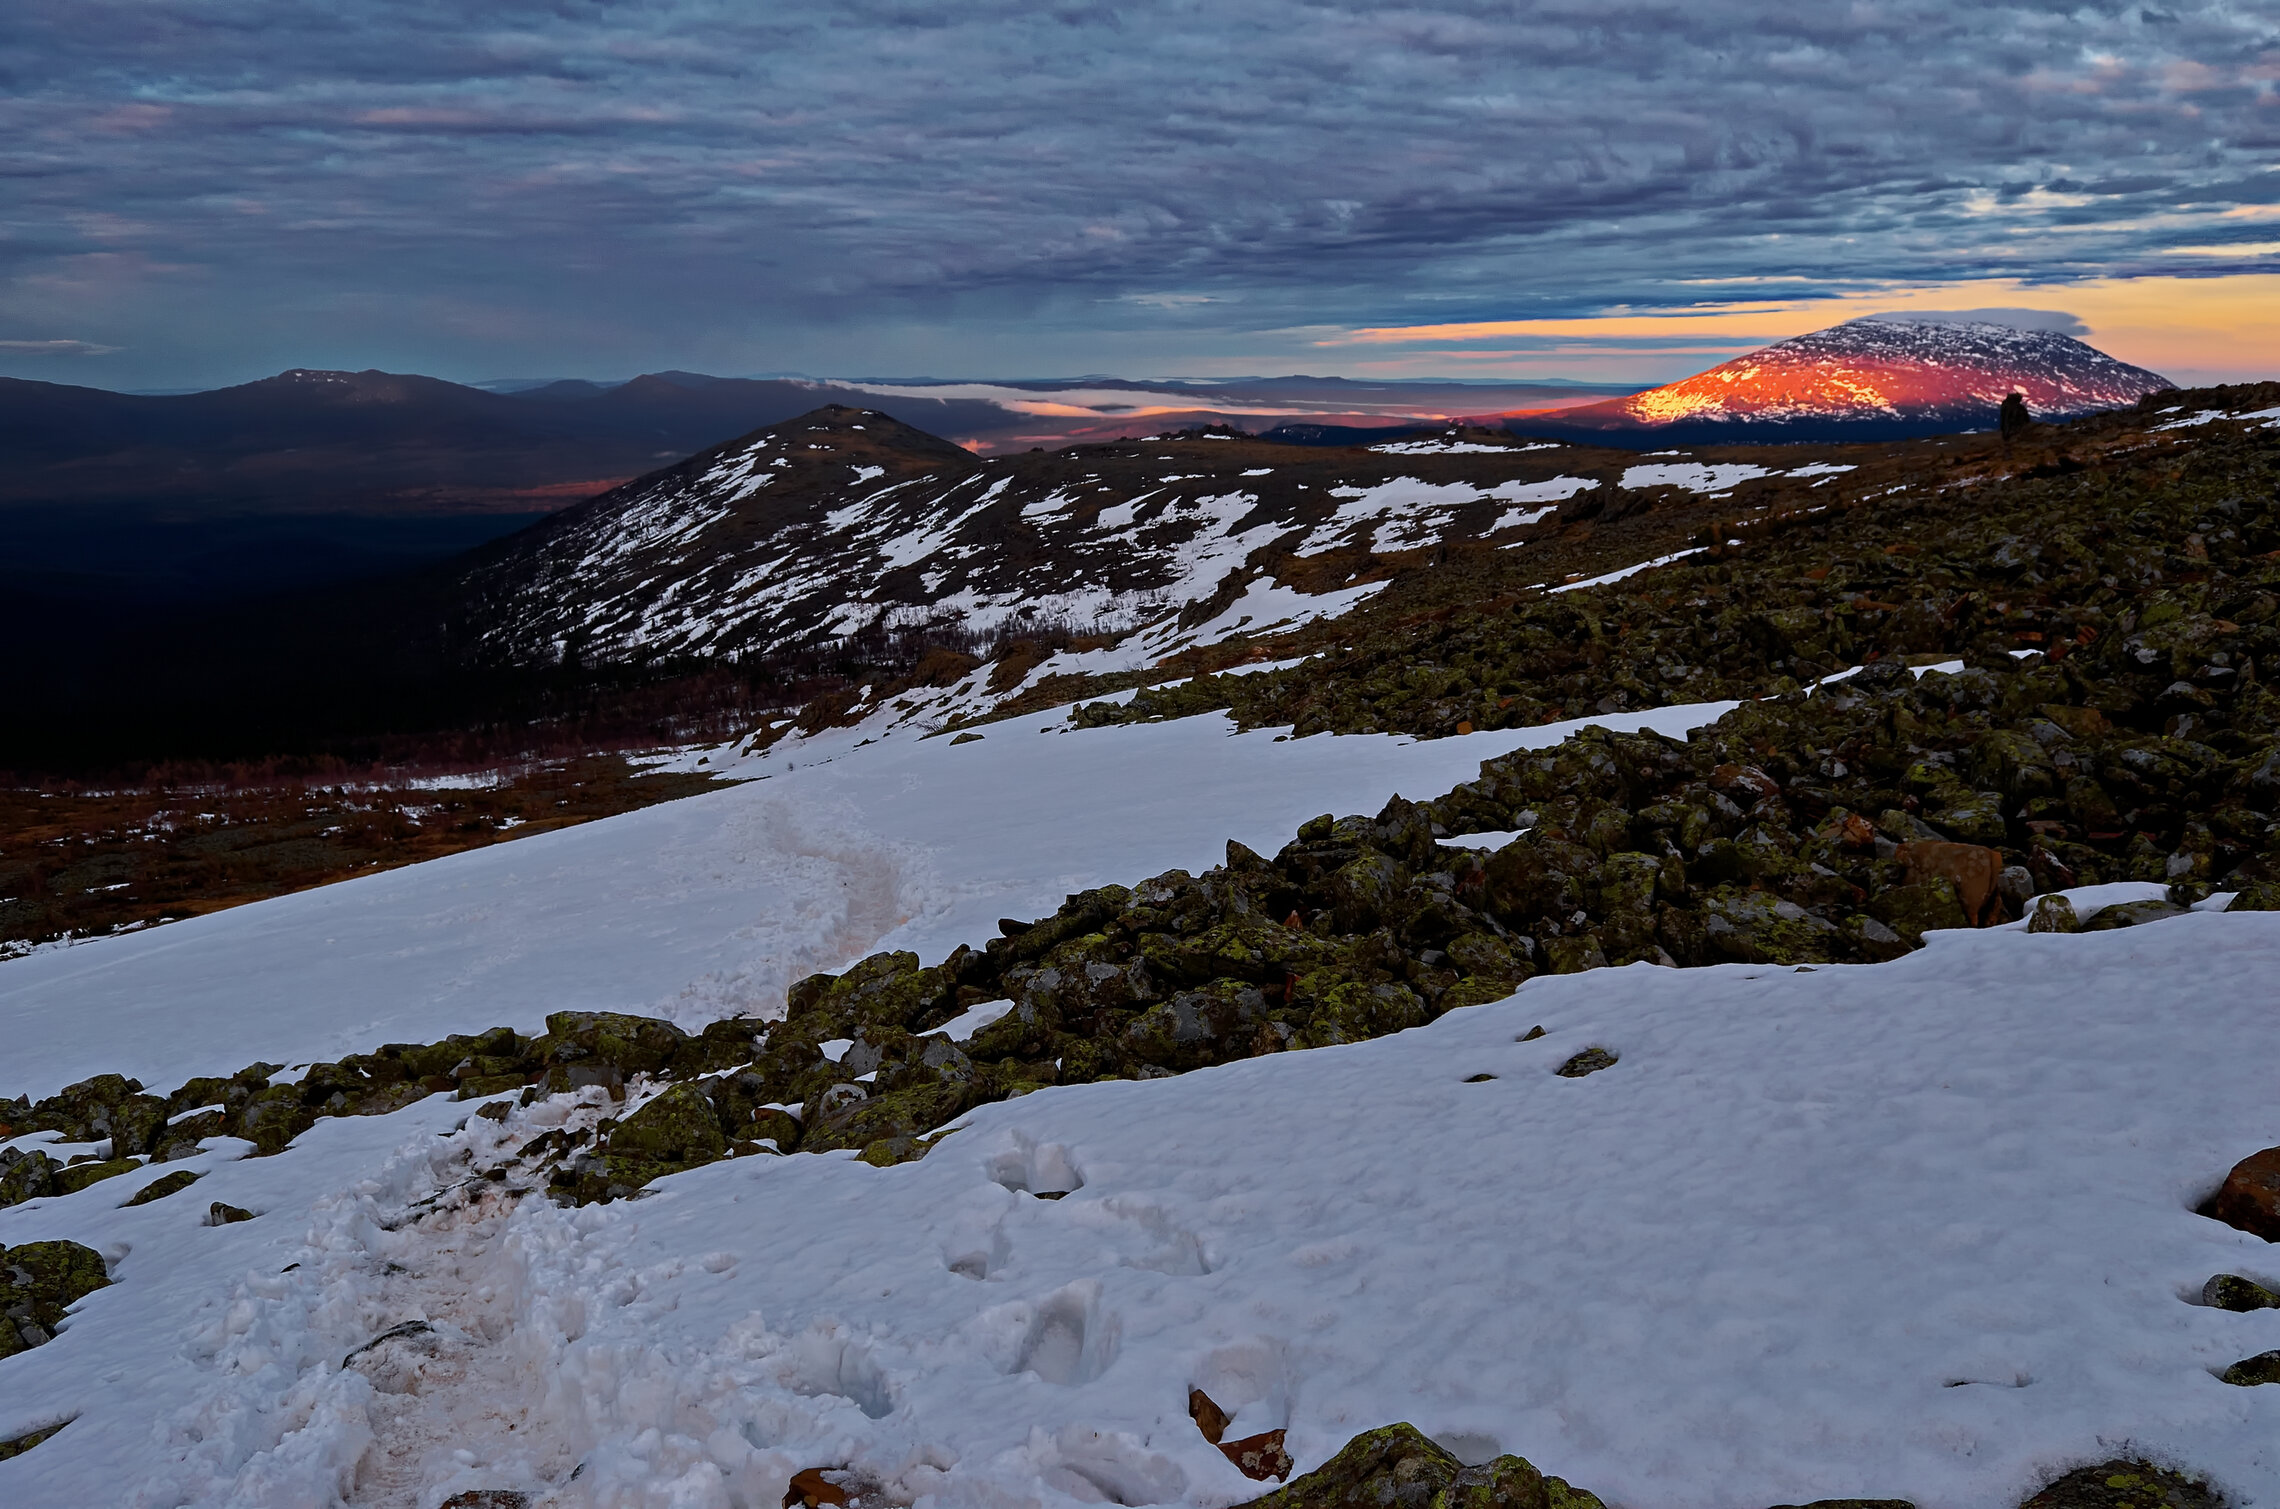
pixel 678 1129
pixel 39 1281
pixel 629 1044
pixel 1397 1467
pixel 16 1446
pixel 2250 1372
pixel 2053 914
pixel 26 1175
pixel 2126 1484
pixel 2229 1291
pixel 74 1177
pixel 164 1185
pixel 2132 914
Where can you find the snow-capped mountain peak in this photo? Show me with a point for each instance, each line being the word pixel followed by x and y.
pixel 1878 375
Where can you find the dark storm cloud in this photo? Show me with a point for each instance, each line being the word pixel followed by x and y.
pixel 563 182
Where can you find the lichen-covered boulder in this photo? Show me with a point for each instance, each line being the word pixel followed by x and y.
pixel 908 1115
pixel 1914 910
pixel 1756 927
pixel 884 990
pixel 2053 914
pixel 2126 1484
pixel 1397 1467
pixel 164 1185
pixel 629 1044
pixel 273 1118
pixel 26 1176
pixel 83 1112
pixel 74 1177
pixel 2249 1199
pixel 2229 1291
pixel 677 1128
pixel 2250 1372
pixel 749 1113
pixel 1351 1011
pixel 2257 896
pixel 1196 1027
pixel 2132 914
pixel 38 1282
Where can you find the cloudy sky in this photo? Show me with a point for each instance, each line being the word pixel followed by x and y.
pixel 200 191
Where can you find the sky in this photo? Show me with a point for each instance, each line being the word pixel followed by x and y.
pixel 195 192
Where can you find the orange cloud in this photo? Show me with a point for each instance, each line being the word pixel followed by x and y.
pixel 2224 328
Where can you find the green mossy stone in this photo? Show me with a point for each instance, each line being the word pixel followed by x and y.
pixel 2052 914
pixel 1398 1467
pixel 630 1044
pixel 906 1114
pixel 17 1446
pixel 2126 1484
pixel 1975 819
pixel 273 1118
pixel 28 1178
pixel 39 1281
pixel 1757 927
pixel 2132 914
pixel 2229 1291
pixel 1913 910
pixel 1573 955
pixel 2264 1367
pixel 476 1087
pixel 2263 896
pixel 166 1184
pixel 677 1127
pixel 77 1176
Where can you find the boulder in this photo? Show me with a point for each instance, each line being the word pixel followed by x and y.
pixel 676 1130
pixel 629 1044
pixel 26 1176
pixel 2131 914
pixel 1757 927
pixel 1397 1467
pixel 2249 1372
pixel 38 1282
pixel 75 1177
pixel 1914 910
pixel 2229 1291
pixel 164 1185
pixel 2053 914
pixel 2249 1199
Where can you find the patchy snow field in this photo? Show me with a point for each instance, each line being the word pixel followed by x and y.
pixel 1921 1229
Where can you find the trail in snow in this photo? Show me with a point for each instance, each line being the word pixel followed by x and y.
pixel 1921 1230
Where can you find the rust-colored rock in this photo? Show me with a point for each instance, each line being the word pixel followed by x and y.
pixel 1973 869
pixel 1260 1458
pixel 813 1490
pixel 2249 1199
pixel 1208 1416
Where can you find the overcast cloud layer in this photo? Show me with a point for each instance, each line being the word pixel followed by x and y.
pixel 224 187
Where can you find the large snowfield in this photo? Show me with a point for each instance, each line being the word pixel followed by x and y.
pixel 1922 1229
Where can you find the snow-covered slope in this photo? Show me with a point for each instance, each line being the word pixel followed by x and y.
pixel 1920 1230
pixel 702 908
pixel 1877 376
pixel 845 521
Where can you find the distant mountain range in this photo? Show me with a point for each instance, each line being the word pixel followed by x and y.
pixel 312 476
pixel 1869 379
